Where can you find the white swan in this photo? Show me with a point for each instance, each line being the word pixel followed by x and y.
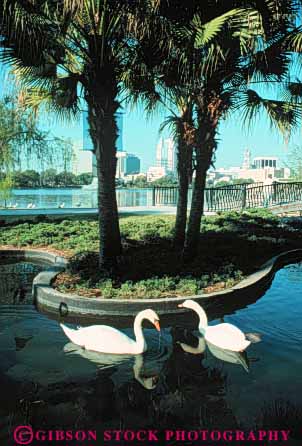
pixel 225 336
pixel 105 339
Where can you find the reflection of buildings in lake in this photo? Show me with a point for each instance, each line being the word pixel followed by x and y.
pixel 133 197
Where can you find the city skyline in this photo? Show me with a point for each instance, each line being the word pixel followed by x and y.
pixel 141 137
pixel 141 134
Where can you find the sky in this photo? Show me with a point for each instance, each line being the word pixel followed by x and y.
pixel 141 135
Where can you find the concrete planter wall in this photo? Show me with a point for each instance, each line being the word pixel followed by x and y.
pixel 60 305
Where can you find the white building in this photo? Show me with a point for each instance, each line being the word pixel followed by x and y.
pixel 165 154
pixel 160 152
pixel 156 172
pixel 171 155
pixel 263 169
pixel 81 159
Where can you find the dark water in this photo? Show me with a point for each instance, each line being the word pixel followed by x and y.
pixel 50 383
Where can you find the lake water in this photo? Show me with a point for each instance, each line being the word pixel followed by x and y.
pixel 75 198
pixel 50 383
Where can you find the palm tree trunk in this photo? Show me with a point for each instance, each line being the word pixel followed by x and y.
pixel 204 153
pixel 197 204
pixel 185 140
pixel 182 201
pixel 103 129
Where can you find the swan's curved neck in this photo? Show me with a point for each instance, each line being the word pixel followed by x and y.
pixel 203 320
pixel 138 332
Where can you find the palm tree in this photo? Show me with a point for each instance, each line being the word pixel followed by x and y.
pixel 228 87
pixel 182 127
pixel 175 77
pixel 79 50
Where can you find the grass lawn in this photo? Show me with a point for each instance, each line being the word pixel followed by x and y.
pixel 232 245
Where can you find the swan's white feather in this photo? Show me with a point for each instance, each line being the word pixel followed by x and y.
pixel 227 336
pixel 102 338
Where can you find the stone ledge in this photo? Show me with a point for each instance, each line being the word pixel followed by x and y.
pixel 61 305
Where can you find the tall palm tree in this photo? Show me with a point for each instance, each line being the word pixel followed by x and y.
pixel 227 87
pixel 79 50
pixel 183 131
pixel 176 77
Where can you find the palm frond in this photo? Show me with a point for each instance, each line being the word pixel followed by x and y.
pixel 294 40
pixel 283 116
pixel 206 33
pixel 61 101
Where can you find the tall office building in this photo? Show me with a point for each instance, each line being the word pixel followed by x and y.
pixel 81 159
pixel 159 152
pixel 165 154
pixel 247 159
pixel 171 156
pixel 127 164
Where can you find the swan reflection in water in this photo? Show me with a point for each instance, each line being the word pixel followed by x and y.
pixel 103 360
pixel 240 358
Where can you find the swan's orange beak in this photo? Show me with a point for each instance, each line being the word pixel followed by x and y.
pixel 180 306
pixel 157 326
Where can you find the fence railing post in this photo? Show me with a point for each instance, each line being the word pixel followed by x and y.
pixel 243 204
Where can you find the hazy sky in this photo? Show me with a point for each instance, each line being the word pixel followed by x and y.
pixel 140 136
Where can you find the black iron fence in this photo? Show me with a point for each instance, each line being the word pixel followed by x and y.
pixel 237 197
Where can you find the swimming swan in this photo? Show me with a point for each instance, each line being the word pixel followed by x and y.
pixel 105 339
pixel 225 336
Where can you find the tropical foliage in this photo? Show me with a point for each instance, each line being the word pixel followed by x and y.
pixel 222 59
pixel 48 178
pixel 24 144
pixel 204 60
pixel 235 243
pixel 81 50
pixel 294 162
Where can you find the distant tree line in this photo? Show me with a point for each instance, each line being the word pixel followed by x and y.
pixel 141 181
pixel 232 182
pixel 48 178
pixel 171 180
